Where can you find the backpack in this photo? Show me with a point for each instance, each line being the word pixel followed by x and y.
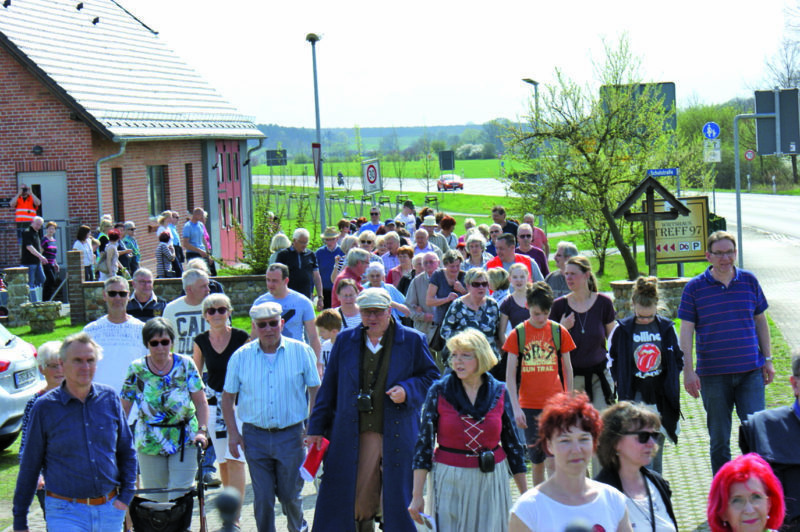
pixel 555 330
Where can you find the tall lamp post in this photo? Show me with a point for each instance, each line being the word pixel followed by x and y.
pixel 313 38
pixel 535 119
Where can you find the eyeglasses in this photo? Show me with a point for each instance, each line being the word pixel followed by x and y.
pixel 155 343
pixel 374 214
pixel 53 365
pixel 117 293
pixel 370 242
pixel 724 253
pixel 271 323
pixel 524 236
pixel 479 284
pixel 221 310
pixel 464 357
pixel 644 435
pixel 372 312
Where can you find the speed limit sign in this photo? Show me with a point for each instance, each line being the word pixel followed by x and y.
pixel 750 155
pixel 371 176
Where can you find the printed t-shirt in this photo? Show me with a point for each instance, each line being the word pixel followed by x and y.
pixel 647 359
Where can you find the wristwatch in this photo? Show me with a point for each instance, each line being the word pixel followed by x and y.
pixel 203 428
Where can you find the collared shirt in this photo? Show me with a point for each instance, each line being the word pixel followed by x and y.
pixel 193 232
pixel 148 310
pixel 390 261
pixel 272 393
pixel 302 266
pixel 297 310
pixel 85 449
pixel 326 260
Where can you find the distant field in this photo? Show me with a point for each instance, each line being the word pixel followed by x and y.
pixel 467 169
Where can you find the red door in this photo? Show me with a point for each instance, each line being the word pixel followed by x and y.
pixel 229 194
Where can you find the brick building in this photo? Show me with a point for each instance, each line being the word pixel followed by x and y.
pixel 98 116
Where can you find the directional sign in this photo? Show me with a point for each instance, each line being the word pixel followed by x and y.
pixel 711 130
pixel 662 172
pixel 682 239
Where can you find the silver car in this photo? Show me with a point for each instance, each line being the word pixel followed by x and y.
pixel 19 381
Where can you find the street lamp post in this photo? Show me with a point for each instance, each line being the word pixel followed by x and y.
pixel 313 38
pixel 535 119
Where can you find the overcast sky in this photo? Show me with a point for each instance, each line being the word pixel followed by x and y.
pixel 439 62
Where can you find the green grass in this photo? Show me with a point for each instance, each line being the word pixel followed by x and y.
pixel 9 467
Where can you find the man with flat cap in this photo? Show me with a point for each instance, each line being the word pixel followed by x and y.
pixel 369 408
pixel 276 379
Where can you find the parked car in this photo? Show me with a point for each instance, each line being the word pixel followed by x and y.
pixel 20 379
pixel 450 182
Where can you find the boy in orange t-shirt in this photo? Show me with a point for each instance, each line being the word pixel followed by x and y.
pixel 540 370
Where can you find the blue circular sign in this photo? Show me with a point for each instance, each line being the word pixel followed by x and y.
pixel 711 130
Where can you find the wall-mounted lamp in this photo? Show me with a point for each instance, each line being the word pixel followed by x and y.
pixel 246 162
pixel 37 150
pixel 215 166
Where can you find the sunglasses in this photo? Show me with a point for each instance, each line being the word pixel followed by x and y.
pixel 221 310
pixel 374 214
pixel 271 323
pixel 368 242
pixel 479 284
pixel 155 343
pixel 524 236
pixel 117 293
pixel 643 435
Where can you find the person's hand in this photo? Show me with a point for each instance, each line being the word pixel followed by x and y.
pixel 311 441
pixel 416 506
pixel 55 267
pixel 568 320
pixel 458 287
pixel 691 382
pixel 203 254
pixel 40 483
pixel 234 442
pixel 519 417
pixel 397 394
pixel 428 317
pixel 320 303
pixel 452 296
pixel 202 439
pixel 119 505
pixel 43 259
pixel 769 372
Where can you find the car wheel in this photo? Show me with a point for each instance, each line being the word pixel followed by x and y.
pixel 439 188
pixel 7 439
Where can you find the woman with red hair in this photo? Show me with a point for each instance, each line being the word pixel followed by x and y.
pixel 745 496
pixel 569 427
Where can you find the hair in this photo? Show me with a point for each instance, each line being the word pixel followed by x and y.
pixel 116 279
pixel 345 283
pixel 163 218
pixel 484 231
pixel 279 267
pixel 469 223
pixel 83 232
pixel 279 242
pixel 157 327
pixel 566 410
pixel 300 232
pixel 105 224
pixel 81 338
pixel 380 239
pixel 198 264
pixel 451 256
pixel 539 294
pixel 586 267
pixel 416 261
pixel 51 224
pixel 342 224
pixel 347 243
pixel 617 420
pixel 165 236
pixel 217 300
pixel 406 250
pixel 376 267
pixel 645 292
pixel 570 249
pixel 48 352
pixel 356 255
pixel 391 235
pixel 367 235
pixel 498 279
pixel 508 238
pixel 448 222
pixel 475 273
pixel 499 209
pixel 796 366
pixel 476 237
pixel 329 319
pixel 142 272
pixel 742 469
pixel 716 236
pixel 114 235
pixel 420 232
pixel 190 277
pixel 473 341
pixel 519 266
pixel 425 211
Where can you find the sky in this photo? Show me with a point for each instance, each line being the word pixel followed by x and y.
pixel 441 62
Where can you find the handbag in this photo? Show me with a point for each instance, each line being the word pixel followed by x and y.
pixel 102 263
pixel 437 343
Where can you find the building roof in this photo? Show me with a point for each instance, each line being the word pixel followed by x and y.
pixel 115 72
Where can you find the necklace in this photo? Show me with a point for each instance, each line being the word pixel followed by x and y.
pixel 163 370
pixel 582 321
pixel 651 517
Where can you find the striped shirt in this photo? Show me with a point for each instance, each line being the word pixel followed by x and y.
pixel 272 392
pixel 724 322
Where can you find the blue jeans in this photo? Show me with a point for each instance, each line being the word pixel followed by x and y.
pixel 35 275
pixel 274 460
pixel 65 516
pixel 720 393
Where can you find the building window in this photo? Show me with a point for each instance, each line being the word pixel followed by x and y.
pixel 187 169
pixel 157 189
pixel 117 194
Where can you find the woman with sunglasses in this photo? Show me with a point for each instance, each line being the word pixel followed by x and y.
pixel 626 446
pixel 173 412
pixel 367 241
pixel 212 350
pixel 480 312
pixel 646 361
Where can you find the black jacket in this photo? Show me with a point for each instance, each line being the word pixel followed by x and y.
pixel 611 477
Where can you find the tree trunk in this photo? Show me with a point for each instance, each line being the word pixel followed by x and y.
pixel 624 251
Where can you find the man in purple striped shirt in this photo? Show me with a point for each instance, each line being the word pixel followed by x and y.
pixel 725 306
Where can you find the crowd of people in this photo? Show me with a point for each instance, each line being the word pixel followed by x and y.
pixel 431 366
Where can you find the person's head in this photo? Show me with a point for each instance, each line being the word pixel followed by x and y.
pixel 376 273
pixel 277 277
pixel 518 276
pixel 745 495
pixel 476 244
pixel 721 251
pixel 564 252
pixel 37 223
pixel 24 190
pixel 343 226
pixel 421 238
pixel 195 284
pixel 346 291
pixel 279 242
pixel 158 336
pixel 447 224
pixel 392 242
pixel 49 363
pixel 529 218
pixel 504 245
pixel 198 215
pixel 328 323
pixel 300 239
pixel 83 232
pixel 630 435
pixel 165 237
pixel 498 279
pixel 469 223
pixel 645 299
pixel 429 262
pixel 429 223
pixel 330 237
pixel 348 243
pixel 50 228
pixel 571 416
pixel 795 378
pixel 495 230
pixel 470 353
pixel 477 282
pixel 499 215
pixel 114 235
pixel 105 225
pixel 115 293
pixel 216 309
pixel 484 230
pixel 79 356
pixel 130 228
pixel 375 307
pixel 578 274
pixel 267 325
pixel 425 211
pixel 539 298
pixel 366 240
pixel 358 260
pixel 451 261
pixel 375 215
pixel 525 236
pixel 143 284
pixel 380 243
pixel 408 207
pixel 405 254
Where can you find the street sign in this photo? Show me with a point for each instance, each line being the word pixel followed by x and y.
pixel 371 180
pixel 662 172
pixel 684 238
pixel 712 151
pixel 750 155
pixel 316 155
pixel 711 130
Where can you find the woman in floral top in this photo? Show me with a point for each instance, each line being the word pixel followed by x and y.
pixel 479 312
pixel 173 412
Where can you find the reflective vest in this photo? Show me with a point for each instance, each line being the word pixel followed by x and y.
pixel 25 210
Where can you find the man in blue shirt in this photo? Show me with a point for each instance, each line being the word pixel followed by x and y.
pixel 326 260
pixel 374 221
pixel 193 236
pixel 726 306
pixel 276 380
pixel 79 438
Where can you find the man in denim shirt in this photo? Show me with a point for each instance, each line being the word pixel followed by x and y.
pixel 78 437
